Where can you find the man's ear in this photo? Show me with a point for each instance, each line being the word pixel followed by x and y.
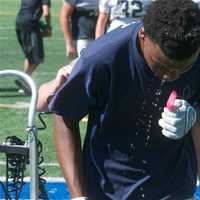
pixel 142 34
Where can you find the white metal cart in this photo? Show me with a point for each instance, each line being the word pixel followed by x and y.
pixel 31 144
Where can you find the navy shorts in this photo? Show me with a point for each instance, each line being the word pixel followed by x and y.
pixel 31 42
pixel 83 24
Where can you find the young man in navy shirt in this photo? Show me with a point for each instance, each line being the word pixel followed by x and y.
pixel 135 147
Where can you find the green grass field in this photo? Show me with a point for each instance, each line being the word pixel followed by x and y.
pixel 13 120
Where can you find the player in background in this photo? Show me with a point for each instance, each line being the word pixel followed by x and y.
pixel 78 22
pixel 30 32
pixel 114 13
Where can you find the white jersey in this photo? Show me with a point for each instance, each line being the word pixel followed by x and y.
pixel 84 4
pixel 198 2
pixel 120 9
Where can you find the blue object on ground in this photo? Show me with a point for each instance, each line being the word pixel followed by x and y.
pixel 197 193
pixel 58 191
pixel 55 191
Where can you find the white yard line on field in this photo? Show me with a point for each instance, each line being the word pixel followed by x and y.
pixel 49 164
pixel 17 105
pixel 23 105
pixel 13 38
pixel 48 179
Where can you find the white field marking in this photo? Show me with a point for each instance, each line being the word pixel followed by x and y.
pixel 17 105
pixel 50 164
pixel 48 179
pixel 23 105
pixel 36 74
pixel 46 52
pixel 7 14
pixel 13 38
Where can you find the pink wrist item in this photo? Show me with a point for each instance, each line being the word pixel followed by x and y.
pixel 171 100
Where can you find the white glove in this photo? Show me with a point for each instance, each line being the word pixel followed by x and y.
pixel 80 198
pixel 178 122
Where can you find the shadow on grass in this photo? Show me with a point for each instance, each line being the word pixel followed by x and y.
pixel 10 92
pixel 8 89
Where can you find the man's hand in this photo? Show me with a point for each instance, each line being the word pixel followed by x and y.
pixel 47 32
pixel 71 51
pixel 47 90
pixel 62 75
pixel 178 122
pixel 45 29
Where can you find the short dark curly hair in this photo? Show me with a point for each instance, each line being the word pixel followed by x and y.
pixel 175 26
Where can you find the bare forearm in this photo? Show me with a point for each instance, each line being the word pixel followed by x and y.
pixel 44 91
pixel 69 154
pixel 47 15
pixel 101 24
pixel 48 89
pixel 65 16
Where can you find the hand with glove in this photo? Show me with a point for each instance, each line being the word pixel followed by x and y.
pixel 178 121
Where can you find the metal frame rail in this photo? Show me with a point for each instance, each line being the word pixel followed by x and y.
pixel 31 129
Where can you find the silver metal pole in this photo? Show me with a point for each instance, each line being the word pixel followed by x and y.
pixel 33 151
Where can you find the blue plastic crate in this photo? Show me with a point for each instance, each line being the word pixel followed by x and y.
pixel 55 190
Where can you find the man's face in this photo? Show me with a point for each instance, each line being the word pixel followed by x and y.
pixel 163 67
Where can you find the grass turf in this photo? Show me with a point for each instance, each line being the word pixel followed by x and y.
pixel 12 120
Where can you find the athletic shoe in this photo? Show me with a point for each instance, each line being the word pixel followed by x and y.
pixel 23 87
pixel 21 91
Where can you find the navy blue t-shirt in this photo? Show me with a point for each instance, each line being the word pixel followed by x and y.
pixel 126 157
